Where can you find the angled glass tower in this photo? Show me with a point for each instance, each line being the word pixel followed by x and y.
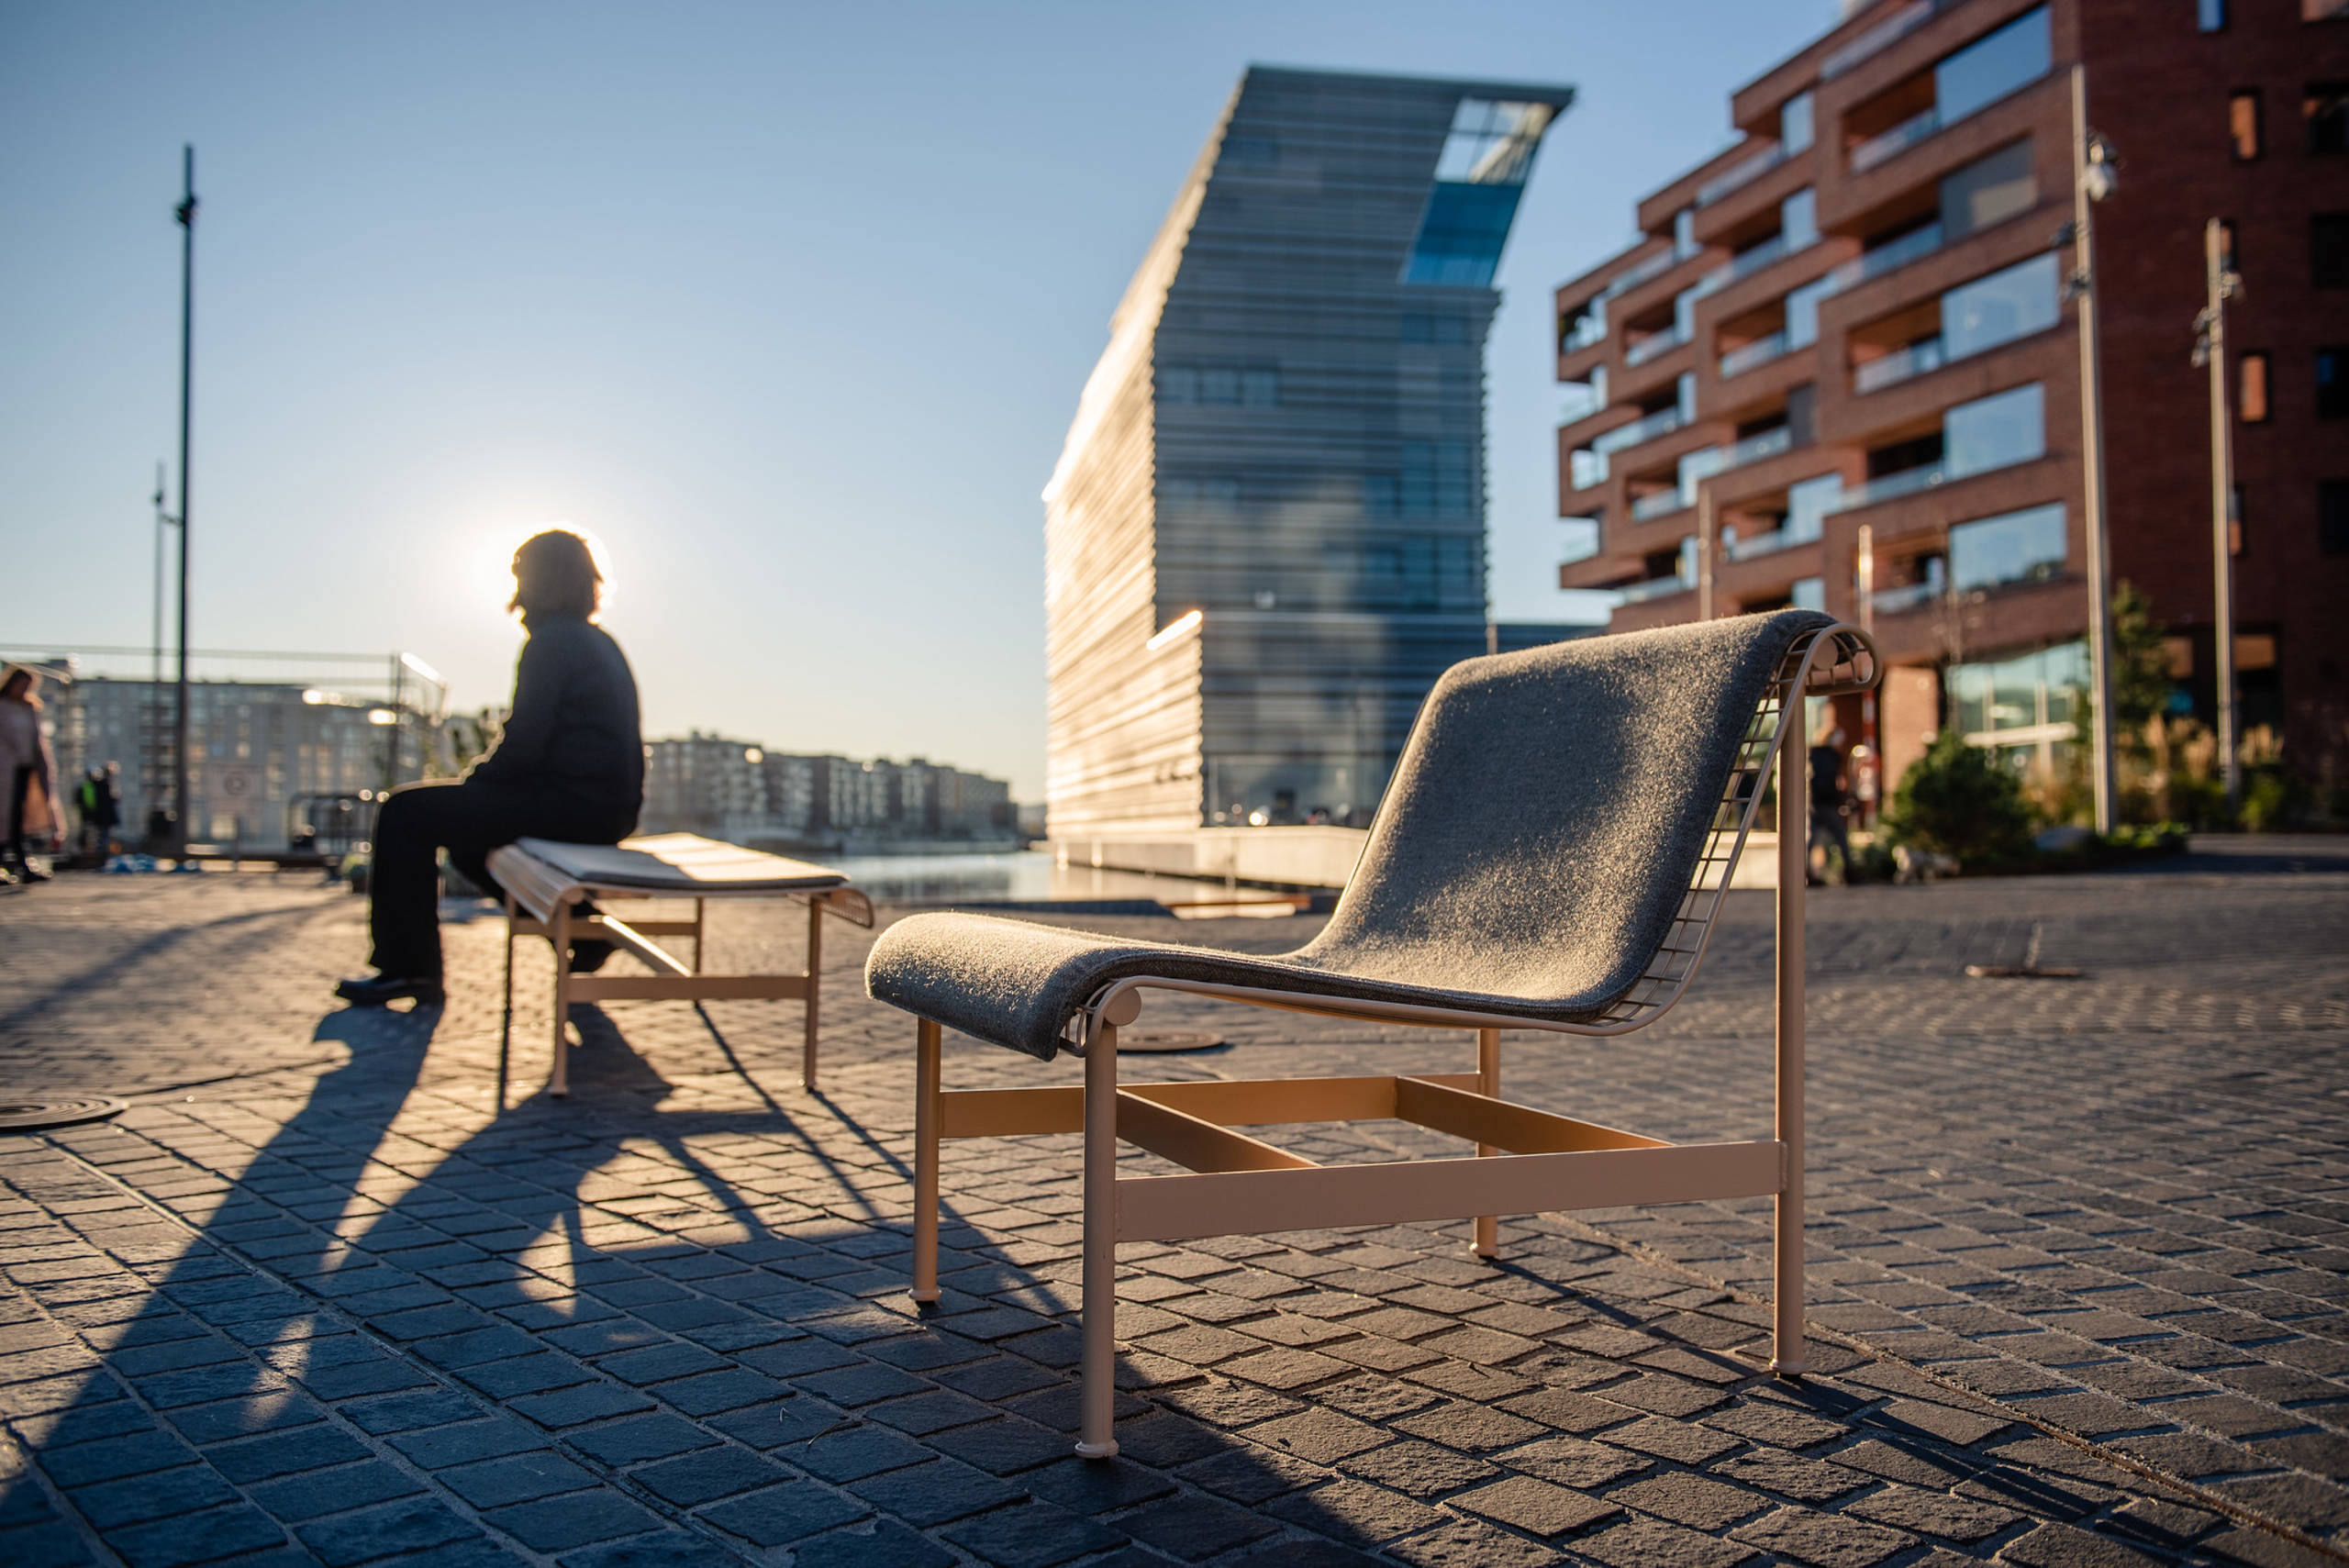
pixel 1266 537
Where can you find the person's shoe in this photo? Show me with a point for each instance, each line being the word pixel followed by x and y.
pixel 590 954
pixel 375 990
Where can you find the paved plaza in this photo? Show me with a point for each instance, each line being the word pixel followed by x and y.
pixel 2078 1263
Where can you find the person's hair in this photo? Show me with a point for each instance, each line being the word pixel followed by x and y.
pixel 555 574
pixel 18 684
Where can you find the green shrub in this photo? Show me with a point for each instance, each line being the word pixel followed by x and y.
pixel 1961 800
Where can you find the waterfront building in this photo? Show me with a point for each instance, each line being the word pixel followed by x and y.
pixel 1860 317
pixel 1265 535
pixel 739 790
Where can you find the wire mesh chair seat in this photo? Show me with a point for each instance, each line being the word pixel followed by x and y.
pixel 1552 855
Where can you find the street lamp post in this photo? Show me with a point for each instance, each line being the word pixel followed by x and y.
pixel 185 213
pixel 2093 179
pixel 2222 284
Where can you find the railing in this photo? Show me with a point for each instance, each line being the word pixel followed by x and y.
pixel 1654 588
pixel 1901 364
pixel 1878 38
pixel 1583 331
pixel 1907 597
pixel 1880 149
pixel 1739 175
pixel 1655 266
pixel 1655 346
pixel 1907 482
pixel 1754 449
pixel 1764 544
pixel 1585 469
pixel 1580 406
pixel 1885 258
pixel 1760 351
pixel 1660 503
pixel 1663 421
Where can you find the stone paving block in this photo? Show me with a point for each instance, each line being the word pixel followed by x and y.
pixel 887 1545
pixel 317 1493
pixel 1032 1535
pixel 1651 1543
pixel 1471 1543
pixel 195 1538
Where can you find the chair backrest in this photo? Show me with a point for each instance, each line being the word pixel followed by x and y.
pixel 1556 811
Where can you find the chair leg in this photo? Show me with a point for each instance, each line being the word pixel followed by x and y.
pixel 1787 1355
pixel 1488 1083
pixel 560 1086
pixel 926 1108
pixel 815 969
pixel 1095 1437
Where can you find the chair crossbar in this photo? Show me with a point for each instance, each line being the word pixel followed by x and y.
pixel 1254 1203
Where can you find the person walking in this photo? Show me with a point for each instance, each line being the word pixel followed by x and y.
pixel 570 765
pixel 29 814
pixel 109 809
pixel 1829 805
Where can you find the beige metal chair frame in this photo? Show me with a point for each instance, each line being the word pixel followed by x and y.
pixel 1527 1161
pixel 541 901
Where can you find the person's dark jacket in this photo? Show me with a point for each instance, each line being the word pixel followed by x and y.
pixel 574 734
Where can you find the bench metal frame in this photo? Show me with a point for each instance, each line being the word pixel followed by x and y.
pixel 1526 1161
pixel 541 901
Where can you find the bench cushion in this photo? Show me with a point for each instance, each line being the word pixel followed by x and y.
pixel 682 864
pixel 1529 859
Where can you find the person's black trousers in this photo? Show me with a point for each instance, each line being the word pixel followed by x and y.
pixel 468 818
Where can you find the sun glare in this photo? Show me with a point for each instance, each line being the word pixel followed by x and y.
pixel 489 574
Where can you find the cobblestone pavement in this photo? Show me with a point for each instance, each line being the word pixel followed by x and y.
pixel 2077 1256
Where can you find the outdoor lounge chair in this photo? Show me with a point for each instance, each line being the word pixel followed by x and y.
pixel 1550 855
pixel 545 882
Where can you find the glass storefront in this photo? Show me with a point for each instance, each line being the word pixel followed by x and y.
pixel 2027 709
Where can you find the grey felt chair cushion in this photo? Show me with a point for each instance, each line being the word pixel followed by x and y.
pixel 1528 860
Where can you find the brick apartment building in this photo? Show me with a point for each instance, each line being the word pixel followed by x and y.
pixel 1857 317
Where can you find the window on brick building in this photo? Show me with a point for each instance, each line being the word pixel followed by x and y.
pixel 2332 382
pixel 2325 106
pixel 2210 16
pixel 2329 249
pixel 2242 124
pixel 2250 391
pixel 2332 516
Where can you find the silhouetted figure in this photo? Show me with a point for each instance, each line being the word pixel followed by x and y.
pixel 29 814
pixel 98 798
pixel 570 766
pixel 1830 807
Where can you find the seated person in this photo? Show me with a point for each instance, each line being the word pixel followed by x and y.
pixel 570 766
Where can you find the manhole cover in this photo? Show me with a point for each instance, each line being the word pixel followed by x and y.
pixel 1159 1043
pixel 31 1115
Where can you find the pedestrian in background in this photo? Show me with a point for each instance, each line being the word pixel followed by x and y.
pixel 1829 804
pixel 29 815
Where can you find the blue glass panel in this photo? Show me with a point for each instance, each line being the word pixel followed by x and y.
pixel 1462 234
pixel 2016 546
pixel 1993 66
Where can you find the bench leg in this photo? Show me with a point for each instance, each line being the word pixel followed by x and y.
pixel 559 1084
pixel 1788 1356
pixel 925 1072
pixel 1096 1437
pixel 701 927
pixel 506 1018
pixel 1488 1083
pixel 815 969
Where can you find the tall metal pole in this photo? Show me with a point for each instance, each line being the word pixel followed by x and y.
pixel 186 213
pixel 2220 281
pixel 1867 698
pixel 2092 462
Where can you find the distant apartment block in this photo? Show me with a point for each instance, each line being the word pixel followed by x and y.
pixel 1265 536
pixel 256 750
pixel 739 790
pixel 1856 323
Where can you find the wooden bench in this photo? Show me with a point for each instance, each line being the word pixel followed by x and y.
pixel 544 881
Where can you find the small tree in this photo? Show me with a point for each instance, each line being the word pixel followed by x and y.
pixel 1961 800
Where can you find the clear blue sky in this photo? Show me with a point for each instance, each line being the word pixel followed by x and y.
pixel 789 304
